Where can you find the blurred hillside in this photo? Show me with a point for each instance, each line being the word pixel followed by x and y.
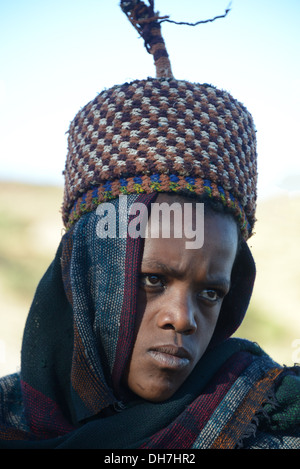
pixel 30 231
pixel 31 228
pixel 273 319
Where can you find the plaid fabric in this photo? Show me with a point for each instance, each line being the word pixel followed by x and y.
pixel 237 378
pixel 218 418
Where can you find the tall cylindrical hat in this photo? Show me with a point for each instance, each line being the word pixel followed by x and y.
pixel 161 134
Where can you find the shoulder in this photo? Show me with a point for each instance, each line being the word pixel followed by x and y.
pixel 286 411
pixel 278 421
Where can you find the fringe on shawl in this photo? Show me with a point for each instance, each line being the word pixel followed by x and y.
pixel 262 416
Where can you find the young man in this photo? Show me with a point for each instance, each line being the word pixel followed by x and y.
pixel 131 331
pixel 127 343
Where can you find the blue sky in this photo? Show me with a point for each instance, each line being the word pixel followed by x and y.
pixel 56 55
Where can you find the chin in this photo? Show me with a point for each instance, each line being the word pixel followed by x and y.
pixel 156 393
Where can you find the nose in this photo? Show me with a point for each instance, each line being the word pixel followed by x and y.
pixel 178 312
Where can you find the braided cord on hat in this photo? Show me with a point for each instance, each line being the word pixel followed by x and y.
pixel 146 22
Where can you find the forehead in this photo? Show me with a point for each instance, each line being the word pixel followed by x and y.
pixel 217 253
pixel 177 216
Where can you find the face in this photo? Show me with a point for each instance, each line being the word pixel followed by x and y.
pixel 180 295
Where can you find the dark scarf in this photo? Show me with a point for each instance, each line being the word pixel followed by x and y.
pixel 78 339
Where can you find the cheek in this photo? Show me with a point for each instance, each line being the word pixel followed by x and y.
pixel 206 325
pixel 210 317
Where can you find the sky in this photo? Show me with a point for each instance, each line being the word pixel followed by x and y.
pixel 55 56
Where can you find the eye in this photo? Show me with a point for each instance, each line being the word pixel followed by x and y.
pixel 152 280
pixel 211 295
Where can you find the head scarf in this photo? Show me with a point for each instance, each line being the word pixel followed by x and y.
pixel 80 331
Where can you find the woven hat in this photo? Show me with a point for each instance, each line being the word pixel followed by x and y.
pixel 161 135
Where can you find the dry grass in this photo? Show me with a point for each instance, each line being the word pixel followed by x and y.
pixel 30 231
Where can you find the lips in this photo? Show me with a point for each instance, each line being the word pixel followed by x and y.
pixel 170 356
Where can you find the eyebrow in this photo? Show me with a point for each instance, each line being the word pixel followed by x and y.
pixel 221 282
pixel 162 267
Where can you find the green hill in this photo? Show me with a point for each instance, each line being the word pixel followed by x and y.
pixel 31 228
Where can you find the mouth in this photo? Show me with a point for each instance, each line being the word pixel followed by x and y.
pixel 170 356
